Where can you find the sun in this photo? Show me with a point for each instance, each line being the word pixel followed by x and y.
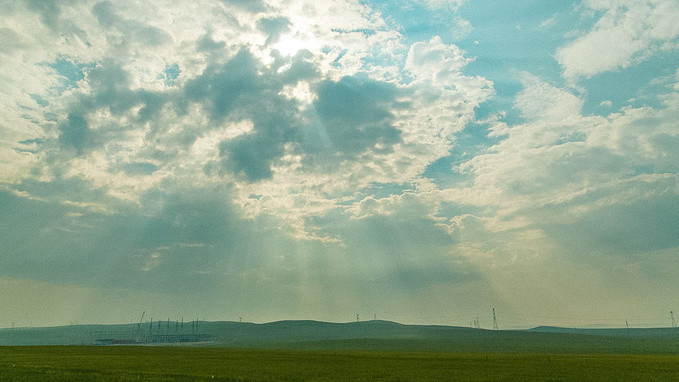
pixel 290 44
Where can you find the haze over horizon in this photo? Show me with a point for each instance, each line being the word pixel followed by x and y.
pixel 422 160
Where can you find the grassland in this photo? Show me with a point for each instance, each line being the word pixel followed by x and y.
pixel 122 363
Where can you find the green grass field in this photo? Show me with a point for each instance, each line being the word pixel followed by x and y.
pixel 73 363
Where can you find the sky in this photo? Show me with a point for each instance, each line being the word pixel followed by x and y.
pixel 421 161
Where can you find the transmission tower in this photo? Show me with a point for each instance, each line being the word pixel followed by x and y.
pixel 674 323
pixel 494 321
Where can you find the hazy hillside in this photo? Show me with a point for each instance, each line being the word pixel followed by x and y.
pixel 368 335
pixel 618 332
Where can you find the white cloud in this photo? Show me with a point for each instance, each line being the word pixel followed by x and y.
pixel 561 165
pixel 166 162
pixel 442 3
pixel 144 135
pixel 627 32
pixel 539 100
pixel 548 23
pixel 435 61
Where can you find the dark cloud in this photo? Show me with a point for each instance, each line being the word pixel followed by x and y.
pixel 251 155
pixel 207 43
pixel 414 277
pixel 49 11
pixel 193 240
pixel 274 27
pixel 238 91
pixel 105 12
pixel 641 226
pixel 254 6
pixel 398 237
pixel 60 189
pixel 300 67
pixel 349 116
pixel 74 133
pixel 110 89
pixel 222 86
pixel 51 14
pixel 9 41
pixel 355 114
pixel 132 31
pixel 407 249
pixel 183 242
pixel 139 168
pixel 667 147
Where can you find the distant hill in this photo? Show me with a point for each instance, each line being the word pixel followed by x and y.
pixel 366 335
pixel 617 332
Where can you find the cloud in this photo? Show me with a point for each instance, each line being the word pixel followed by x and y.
pixel 74 133
pixel 436 4
pixel 561 171
pixel 131 130
pixel 9 40
pixel 539 100
pixel 435 61
pixel 249 5
pixel 354 115
pixel 627 32
pixel 238 92
pixel 222 87
pixel 320 156
pixel 135 31
pixel 274 27
pixel 640 226
pixel 49 11
pixel 194 242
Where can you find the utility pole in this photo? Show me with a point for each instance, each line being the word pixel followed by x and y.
pixel 627 324
pixel 356 317
pixel 674 323
pixel 494 321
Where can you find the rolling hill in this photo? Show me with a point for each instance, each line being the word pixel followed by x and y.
pixel 366 335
